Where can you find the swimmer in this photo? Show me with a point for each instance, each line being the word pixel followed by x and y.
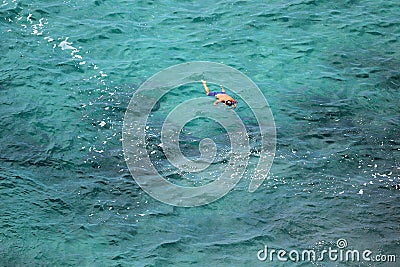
pixel 221 97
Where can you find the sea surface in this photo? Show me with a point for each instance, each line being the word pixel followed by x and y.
pixel 330 71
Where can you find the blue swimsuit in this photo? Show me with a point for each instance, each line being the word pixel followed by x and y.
pixel 215 93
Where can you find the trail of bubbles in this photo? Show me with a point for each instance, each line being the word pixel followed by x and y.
pixel 101 91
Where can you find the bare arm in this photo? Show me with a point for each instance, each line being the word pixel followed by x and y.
pixel 222 88
pixel 216 102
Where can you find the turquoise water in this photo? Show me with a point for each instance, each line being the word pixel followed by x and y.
pixel 331 74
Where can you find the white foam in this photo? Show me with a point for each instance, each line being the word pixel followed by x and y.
pixel 29 18
pixel 65 45
pixel 49 39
